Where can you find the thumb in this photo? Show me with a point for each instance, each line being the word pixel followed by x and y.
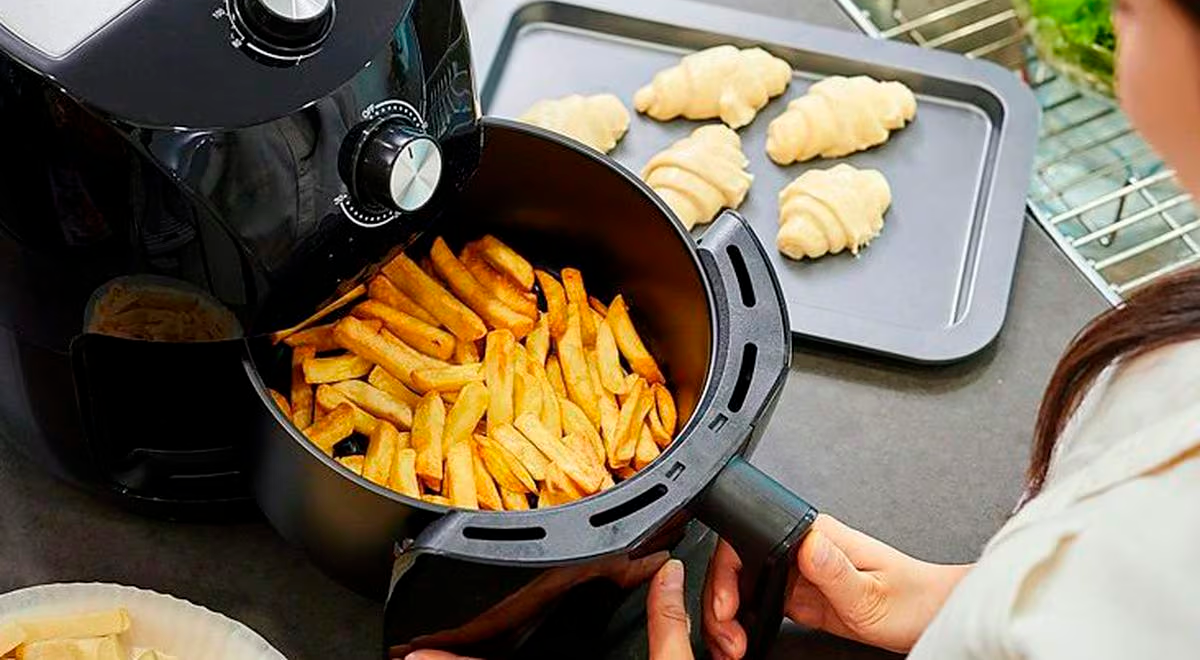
pixel 856 597
pixel 667 621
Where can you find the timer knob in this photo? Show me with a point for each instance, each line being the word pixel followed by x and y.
pixel 282 31
pixel 388 163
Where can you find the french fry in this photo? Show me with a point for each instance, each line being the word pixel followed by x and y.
pixel 631 344
pixel 527 395
pixel 657 431
pixel 469 290
pixel 281 402
pixel 449 379
pixel 13 635
pixel 594 371
pixel 460 477
pixel 381 453
pixel 403 475
pixel 646 450
pixel 666 408
pixel 92 624
pixel 519 300
pixel 302 392
pixel 624 472
pixel 333 369
pixel 334 427
pixel 608 482
pixel 343 300
pixel 610 419
pixel 408 277
pixel 466 352
pixel 429 420
pixel 380 378
pixel 382 348
pixel 437 499
pixel 537 342
pixel 485 487
pixel 320 337
pixel 330 398
pixel 577 297
pixel 466 412
pixel 505 466
pixel 514 501
pixel 381 288
pixel 551 412
pixel 556 303
pixel 499 374
pixel 354 463
pixel 521 362
pixel 633 415
pixel 526 452
pixel 377 402
pixel 411 330
pixel 575 422
pixel 600 307
pixel 506 260
pixel 555 376
pixel 562 487
pixel 577 466
pixel 629 381
pixel 608 360
pixel 575 371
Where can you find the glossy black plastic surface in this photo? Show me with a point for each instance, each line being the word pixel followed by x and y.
pixel 252 217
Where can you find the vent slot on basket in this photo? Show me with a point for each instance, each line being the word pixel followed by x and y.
pixel 744 377
pixel 745 284
pixel 629 507
pixel 504 533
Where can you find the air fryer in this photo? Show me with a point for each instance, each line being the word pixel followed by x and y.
pixel 167 206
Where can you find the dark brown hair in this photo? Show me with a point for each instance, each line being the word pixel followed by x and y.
pixel 1163 313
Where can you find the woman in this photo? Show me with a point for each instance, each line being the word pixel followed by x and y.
pixel 1103 559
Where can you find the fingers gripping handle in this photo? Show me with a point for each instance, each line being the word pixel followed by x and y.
pixel 764 522
pixel 761 519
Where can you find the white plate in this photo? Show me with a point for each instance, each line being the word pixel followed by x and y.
pixel 161 622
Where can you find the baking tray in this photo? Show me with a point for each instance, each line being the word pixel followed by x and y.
pixel 934 286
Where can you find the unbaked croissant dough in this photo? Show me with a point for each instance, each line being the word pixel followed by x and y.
pixel 599 121
pixel 718 82
pixel 701 174
pixel 839 116
pixel 827 211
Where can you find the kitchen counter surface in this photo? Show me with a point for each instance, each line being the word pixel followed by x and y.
pixel 928 459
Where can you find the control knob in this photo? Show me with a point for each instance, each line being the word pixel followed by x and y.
pixel 390 164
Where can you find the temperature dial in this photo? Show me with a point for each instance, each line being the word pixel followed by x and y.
pixel 388 163
pixel 281 31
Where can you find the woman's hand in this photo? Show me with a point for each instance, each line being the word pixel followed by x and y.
pixel 849 584
pixel 667 622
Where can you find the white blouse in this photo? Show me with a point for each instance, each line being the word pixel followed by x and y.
pixel 1105 562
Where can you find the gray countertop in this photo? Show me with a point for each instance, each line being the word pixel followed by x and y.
pixel 928 459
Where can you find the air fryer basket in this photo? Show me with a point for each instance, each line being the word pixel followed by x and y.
pixel 714 319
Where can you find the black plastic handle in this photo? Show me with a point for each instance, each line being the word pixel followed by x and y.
pixel 761 519
pixel 764 522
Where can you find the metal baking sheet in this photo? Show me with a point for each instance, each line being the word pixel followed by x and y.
pixel 934 286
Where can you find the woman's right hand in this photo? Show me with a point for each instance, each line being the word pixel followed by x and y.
pixel 848 584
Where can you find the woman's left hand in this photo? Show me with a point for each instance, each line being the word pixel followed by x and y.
pixel 667 622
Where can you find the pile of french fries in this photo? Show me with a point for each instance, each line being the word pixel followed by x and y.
pixel 86 636
pixel 469 393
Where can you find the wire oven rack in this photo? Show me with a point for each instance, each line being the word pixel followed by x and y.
pixel 1105 197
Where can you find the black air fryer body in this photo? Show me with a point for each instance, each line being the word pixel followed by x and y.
pixel 246 161
pixel 197 142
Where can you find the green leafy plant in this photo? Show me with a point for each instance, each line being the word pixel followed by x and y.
pixel 1074 36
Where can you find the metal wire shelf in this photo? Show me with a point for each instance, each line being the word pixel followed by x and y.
pixel 1106 198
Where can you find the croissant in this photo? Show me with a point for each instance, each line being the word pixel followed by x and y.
pixel 598 121
pixel 827 211
pixel 718 82
pixel 701 174
pixel 839 116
